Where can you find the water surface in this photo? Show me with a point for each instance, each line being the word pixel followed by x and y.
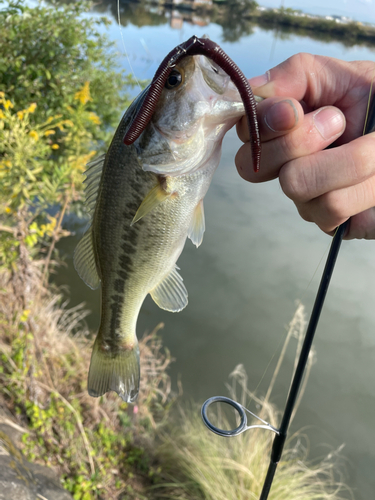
pixel 257 259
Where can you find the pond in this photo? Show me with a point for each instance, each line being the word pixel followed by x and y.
pixel 258 258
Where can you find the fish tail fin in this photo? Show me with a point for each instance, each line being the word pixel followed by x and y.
pixel 114 368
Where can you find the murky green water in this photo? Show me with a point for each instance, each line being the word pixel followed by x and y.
pixel 257 259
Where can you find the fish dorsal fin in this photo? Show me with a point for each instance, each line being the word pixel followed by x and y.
pixel 197 225
pixel 84 257
pixel 84 261
pixel 153 198
pixel 92 181
pixel 170 294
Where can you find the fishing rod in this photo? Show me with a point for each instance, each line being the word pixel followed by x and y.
pixel 281 432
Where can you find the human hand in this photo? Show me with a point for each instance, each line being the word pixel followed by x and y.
pixel 313 102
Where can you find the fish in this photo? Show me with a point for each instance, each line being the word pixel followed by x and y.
pixel 145 199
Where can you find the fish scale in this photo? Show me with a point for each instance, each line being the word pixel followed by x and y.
pixel 145 204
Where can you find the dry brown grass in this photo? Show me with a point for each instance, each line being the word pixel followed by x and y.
pixel 45 349
pixel 198 464
pixel 97 445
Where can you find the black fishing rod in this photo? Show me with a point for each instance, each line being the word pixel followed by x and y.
pixel 281 432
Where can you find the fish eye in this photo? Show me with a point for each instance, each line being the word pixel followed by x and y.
pixel 174 80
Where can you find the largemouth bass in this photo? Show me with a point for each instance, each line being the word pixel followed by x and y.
pixel 145 200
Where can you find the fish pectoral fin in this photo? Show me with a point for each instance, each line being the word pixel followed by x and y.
pixel 153 198
pixel 114 369
pixel 197 225
pixel 84 261
pixel 170 294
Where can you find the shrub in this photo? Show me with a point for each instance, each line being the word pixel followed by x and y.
pixel 60 95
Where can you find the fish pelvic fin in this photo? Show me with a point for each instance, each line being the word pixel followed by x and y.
pixel 197 225
pixel 114 368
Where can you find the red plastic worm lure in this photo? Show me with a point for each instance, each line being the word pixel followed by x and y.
pixel 208 48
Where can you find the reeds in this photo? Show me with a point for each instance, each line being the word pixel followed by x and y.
pixel 200 465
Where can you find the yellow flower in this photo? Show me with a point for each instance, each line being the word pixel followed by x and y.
pixel 34 134
pixel 55 146
pixel 68 123
pixel 49 132
pixel 8 210
pixel 5 164
pixel 8 104
pixel 83 95
pixel 31 108
pixel 25 315
pixel 20 114
pixel 2 116
pixel 94 118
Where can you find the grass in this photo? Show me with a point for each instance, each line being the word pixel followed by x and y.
pixel 200 465
pixel 95 445
pixel 105 449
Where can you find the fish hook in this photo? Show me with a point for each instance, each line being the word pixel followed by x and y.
pixel 210 49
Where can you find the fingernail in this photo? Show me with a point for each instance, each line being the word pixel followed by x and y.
pixel 258 81
pixel 329 122
pixel 281 116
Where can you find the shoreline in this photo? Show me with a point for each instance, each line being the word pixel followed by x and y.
pixel 343 29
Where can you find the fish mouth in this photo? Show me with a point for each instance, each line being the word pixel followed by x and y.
pixel 222 116
pixel 227 109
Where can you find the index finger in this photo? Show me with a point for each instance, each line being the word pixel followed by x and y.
pixel 320 81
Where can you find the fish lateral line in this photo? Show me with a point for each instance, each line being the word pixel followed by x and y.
pixel 208 48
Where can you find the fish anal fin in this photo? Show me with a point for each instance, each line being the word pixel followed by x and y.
pixel 153 198
pixel 170 294
pixel 84 261
pixel 197 225
pixel 114 369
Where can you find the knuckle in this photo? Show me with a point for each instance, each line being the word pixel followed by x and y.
pixel 304 212
pixel 294 183
pixel 361 158
pixel 287 181
pixel 299 60
pixel 334 211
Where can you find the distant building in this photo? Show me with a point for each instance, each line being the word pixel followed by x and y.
pixel 176 21
pixel 200 21
pixel 193 3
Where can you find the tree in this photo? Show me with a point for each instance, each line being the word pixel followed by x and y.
pixel 61 93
